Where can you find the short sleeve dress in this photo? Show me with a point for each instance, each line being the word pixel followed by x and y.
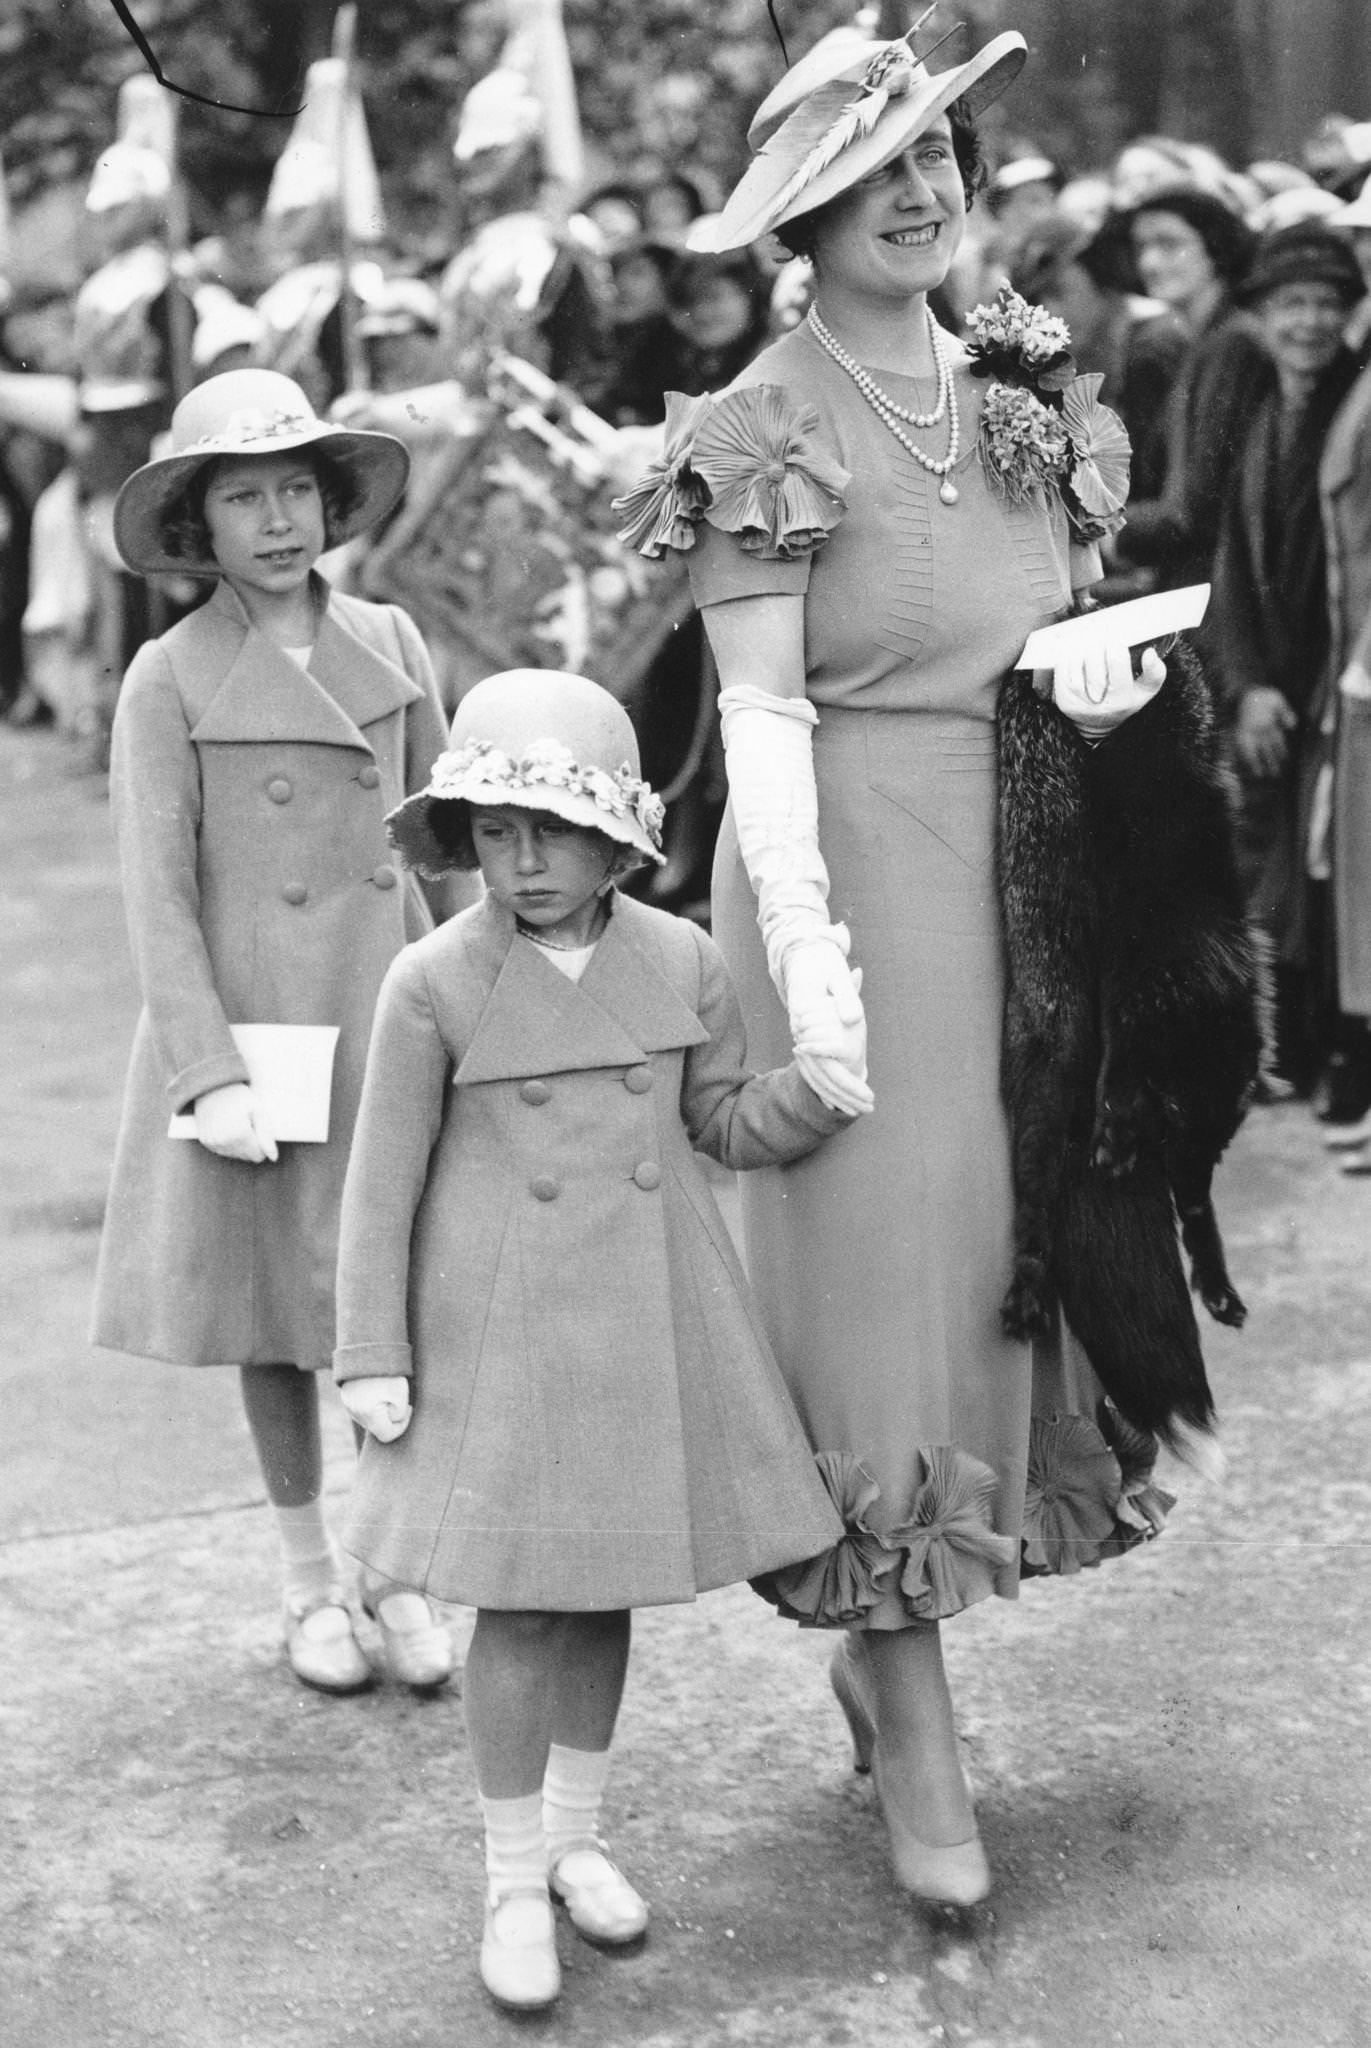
pixel 957 1456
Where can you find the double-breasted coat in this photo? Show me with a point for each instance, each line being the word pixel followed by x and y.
pixel 598 1420
pixel 1345 488
pixel 249 798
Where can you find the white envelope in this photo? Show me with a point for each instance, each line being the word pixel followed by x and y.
pixel 291 1068
pixel 1129 625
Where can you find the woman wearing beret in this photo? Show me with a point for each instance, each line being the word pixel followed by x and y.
pixel 876 519
pixel 1267 633
pixel 1188 249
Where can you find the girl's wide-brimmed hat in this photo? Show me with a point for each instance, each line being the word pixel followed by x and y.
pixel 242 413
pixel 839 114
pixel 546 741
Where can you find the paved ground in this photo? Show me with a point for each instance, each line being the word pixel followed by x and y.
pixel 1170 1755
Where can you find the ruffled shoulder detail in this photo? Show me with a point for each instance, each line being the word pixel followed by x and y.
pixel 750 464
pixel 665 506
pixel 839 1586
pixel 769 480
pixel 952 1551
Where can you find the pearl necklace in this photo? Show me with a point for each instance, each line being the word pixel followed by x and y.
pixel 890 414
pixel 554 945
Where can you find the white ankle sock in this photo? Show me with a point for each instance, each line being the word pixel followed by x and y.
pixel 573 1787
pixel 516 1850
pixel 309 1561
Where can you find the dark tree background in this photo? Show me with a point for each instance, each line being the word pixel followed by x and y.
pixel 674 79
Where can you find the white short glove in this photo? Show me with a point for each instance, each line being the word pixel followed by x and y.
pixel 232 1122
pixel 379 1406
pixel 769 749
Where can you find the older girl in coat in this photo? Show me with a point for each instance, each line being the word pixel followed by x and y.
pixel 542 1320
pixel 257 747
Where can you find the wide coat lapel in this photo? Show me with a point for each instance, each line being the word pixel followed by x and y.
pixel 265 696
pixel 536 1021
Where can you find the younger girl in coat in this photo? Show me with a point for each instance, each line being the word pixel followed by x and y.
pixel 542 1320
pixel 257 748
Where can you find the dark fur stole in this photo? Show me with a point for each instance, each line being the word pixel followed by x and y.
pixel 1132 1034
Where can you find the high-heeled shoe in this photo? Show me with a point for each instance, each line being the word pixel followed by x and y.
pixel 846 1691
pixel 951 1874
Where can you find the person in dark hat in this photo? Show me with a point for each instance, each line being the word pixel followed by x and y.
pixel 1188 248
pixel 1135 345
pixel 1267 633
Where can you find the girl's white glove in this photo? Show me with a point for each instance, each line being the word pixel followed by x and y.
pixel 232 1122
pixel 379 1406
pixel 769 749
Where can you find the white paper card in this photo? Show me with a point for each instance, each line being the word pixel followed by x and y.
pixel 291 1068
pixel 1126 625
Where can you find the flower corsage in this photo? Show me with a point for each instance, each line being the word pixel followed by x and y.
pixel 1043 427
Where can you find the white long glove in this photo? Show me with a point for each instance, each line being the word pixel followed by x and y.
pixel 769 749
pixel 380 1406
pixel 232 1122
pixel 1099 691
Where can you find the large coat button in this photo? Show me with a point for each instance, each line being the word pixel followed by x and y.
pixel 384 878
pixel 369 777
pixel 648 1176
pixel 638 1080
pixel 536 1092
pixel 279 790
pixel 544 1187
pixel 295 892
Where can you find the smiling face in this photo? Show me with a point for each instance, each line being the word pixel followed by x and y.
pixel 549 873
pixel 1303 325
pixel 266 525
pixel 894 234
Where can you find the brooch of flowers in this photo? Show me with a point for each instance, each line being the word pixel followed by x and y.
pixel 1043 427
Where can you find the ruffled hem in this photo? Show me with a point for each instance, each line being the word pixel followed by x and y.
pixel 1090 1495
pixel 943 1558
pixel 1090 1492
pixel 749 464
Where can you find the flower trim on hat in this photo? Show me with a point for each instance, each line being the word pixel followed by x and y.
pixel 547 764
pixel 749 464
pixel 248 425
pixel 1043 427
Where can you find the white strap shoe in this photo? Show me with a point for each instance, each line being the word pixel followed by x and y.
pixel 323 1651
pixel 418 1648
pixel 519 1966
pixel 601 1903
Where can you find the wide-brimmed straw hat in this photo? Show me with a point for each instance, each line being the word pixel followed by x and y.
pixel 839 114
pixel 242 413
pixel 544 740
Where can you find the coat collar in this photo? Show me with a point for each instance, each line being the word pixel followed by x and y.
pixel 536 1021
pixel 264 695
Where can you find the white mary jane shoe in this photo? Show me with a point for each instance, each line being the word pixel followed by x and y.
pixel 323 1651
pixel 601 1903
pixel 519 1966
pixel 418 1648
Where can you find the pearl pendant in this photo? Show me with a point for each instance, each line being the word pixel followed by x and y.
pixel 948 491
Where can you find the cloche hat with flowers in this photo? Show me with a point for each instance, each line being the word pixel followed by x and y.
pixel 838 115
pixel 546 741
pixel 242 413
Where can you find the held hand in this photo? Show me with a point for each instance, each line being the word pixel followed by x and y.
pixel 1264 719
pixel 828 1025
pixel 232 1122
pixel 379 1406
